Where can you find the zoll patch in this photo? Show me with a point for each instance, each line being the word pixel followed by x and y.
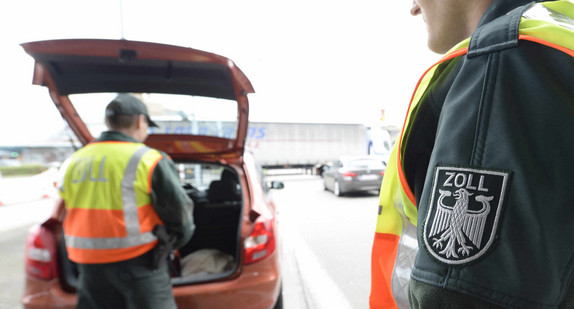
pixel 464 213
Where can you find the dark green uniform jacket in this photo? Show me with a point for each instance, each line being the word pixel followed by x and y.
pixel 490 159
pixel 170 201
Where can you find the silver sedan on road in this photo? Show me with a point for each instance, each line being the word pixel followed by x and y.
pixel 354 174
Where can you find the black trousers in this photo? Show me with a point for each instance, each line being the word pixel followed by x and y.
pixel 128 284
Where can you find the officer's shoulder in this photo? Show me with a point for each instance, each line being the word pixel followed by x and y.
pixel 164 155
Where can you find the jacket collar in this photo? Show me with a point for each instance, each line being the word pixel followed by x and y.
pixel 115 136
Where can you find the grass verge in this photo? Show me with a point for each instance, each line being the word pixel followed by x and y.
pixel 24 170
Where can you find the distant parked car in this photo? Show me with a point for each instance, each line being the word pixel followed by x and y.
pixel 199 100
pixel 354 174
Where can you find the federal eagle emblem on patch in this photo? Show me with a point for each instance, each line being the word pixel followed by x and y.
pixel 464 213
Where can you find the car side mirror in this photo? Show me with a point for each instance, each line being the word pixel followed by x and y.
pixel 276 184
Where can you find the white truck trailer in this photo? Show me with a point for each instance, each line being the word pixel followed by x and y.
pixel 305 145
pixel 283 145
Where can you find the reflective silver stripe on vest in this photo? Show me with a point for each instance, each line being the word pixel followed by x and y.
pixel 539 12
pixel 109 243
pixel 131 219
pixel 405 259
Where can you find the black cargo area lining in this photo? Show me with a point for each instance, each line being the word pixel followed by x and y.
pixel 83 74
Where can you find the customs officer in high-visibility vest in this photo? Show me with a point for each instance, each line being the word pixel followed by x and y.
pixel 476 203
pixel 119 193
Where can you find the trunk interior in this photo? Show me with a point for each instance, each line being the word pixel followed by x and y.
pixel 213 252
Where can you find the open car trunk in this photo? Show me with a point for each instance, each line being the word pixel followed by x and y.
pixel 213 252
pixel 199 102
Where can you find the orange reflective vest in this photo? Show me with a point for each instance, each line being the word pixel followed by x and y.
pixel 395 243
pixel 110 216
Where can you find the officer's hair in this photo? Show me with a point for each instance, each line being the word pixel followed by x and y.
pixel 120 122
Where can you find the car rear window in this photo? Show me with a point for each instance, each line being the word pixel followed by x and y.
pixel 366 163
pixel 173 113
pixel 199 175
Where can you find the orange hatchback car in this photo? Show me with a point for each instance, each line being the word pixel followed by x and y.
pixel 199 100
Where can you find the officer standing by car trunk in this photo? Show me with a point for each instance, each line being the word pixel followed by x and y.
pixel 121 197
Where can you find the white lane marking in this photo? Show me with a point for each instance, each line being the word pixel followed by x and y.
pixel 321 292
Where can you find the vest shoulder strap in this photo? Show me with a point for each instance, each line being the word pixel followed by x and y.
pixel 500 34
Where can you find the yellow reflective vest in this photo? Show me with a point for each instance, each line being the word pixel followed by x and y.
pixel 110 216
pixel 395 243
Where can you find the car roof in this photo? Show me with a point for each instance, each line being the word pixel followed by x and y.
pixel 361 157
pixel 75 66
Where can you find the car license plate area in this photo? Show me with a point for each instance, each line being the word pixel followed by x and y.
pixel 368 177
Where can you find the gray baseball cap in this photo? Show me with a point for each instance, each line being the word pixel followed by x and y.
pixel 127 104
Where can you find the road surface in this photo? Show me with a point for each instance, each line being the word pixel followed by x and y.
pixel 326 240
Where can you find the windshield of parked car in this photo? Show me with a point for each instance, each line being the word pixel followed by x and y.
pixel 174 114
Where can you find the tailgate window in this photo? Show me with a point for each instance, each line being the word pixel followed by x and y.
pixel 173 113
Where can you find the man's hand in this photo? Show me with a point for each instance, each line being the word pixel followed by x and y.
pixel 164 248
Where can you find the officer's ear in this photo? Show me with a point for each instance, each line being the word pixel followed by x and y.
pixel 141 121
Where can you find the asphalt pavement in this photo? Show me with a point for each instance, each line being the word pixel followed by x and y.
pixel 306 283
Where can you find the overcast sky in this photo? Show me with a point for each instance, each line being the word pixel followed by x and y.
pixel 308 60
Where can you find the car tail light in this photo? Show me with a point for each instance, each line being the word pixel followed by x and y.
pixel 382 173
pixel 349 175
pixel 261 241
pixel 41 253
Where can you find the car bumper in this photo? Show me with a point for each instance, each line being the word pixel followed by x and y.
pixel 46 294
pixel 258 286
pixel 356 185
